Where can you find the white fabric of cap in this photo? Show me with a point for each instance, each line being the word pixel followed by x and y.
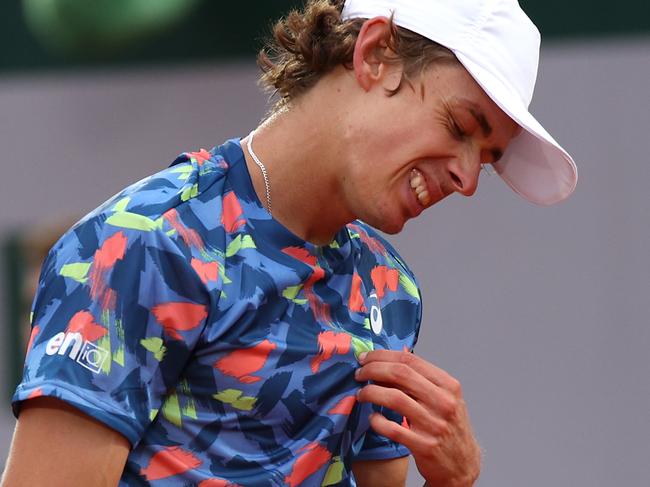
pixel 499 46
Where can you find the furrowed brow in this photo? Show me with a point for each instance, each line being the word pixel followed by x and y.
pixel 486 128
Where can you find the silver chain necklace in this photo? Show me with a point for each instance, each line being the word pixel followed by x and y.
pixel 265 175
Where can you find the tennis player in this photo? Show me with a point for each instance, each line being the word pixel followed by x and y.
pixel 235 320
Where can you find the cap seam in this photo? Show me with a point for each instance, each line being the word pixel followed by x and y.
pixel 478 24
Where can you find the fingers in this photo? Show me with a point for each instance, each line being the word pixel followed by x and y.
pixel 439 433
pixel 417 413
pixel 393 431
pixel 426 369
pixel 391 398
pixel 396 374
pixel 416 442
pixel 402 379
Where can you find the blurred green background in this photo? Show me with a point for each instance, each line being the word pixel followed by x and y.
pixel 63 34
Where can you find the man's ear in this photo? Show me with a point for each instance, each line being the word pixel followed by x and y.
pixel 370 53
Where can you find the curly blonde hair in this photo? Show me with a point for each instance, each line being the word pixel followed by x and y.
pixel 307 44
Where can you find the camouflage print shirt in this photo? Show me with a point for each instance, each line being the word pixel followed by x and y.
pixel 222 346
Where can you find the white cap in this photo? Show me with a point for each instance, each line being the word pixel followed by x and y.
pixel 499 46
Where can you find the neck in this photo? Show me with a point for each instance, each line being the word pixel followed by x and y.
pixel 300 154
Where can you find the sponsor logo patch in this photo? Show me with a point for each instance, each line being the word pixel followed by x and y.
pixel 82 351
pixel 376 320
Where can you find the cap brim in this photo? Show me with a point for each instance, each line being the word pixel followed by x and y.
pixel 534 164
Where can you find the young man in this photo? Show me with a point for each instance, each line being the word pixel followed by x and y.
pixel 234 320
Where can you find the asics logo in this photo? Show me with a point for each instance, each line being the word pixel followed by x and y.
pixel 376 320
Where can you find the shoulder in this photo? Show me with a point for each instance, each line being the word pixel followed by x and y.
pixel 172 216
pixel 370 240
pixel 394 298
pixel 193 178
pixel 191 186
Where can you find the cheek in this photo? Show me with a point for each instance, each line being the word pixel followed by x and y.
pixel 388 148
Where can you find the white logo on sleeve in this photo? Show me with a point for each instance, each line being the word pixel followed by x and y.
pixel 83 352
pixel 376 320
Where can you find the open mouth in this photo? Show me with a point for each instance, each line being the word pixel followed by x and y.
pixel 419 187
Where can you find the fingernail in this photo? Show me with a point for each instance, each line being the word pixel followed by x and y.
pixel 362 356
pixel 357 373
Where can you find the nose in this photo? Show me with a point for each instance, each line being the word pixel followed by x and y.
pixel 464 173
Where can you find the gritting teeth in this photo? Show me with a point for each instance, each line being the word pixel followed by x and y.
pixel 416 181
pixel 418 185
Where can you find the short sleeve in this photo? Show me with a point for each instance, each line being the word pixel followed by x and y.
pixel 117 313
pixel 377 447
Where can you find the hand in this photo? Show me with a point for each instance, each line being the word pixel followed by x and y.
pixel 439 434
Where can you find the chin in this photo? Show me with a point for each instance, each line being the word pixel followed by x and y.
pixel 388 226
pixel 387 218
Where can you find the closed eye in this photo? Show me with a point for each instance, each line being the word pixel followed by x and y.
pixel 456 130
